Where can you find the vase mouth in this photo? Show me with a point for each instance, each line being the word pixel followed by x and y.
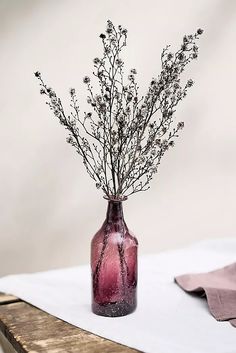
pixel 115 198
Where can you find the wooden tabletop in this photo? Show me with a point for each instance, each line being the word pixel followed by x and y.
pixel 31 330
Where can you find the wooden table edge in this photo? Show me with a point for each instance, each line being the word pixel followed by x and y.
pixel 9 301
pixel 8 298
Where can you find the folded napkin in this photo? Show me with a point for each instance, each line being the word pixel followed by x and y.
pixel 218 286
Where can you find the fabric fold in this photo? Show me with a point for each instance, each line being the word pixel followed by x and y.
pixel 219 287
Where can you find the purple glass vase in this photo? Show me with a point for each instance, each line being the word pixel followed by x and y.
pixel 114 265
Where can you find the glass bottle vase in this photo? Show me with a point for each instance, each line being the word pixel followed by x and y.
pixel 114 265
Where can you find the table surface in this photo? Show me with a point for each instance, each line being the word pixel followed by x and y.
pixel 31 330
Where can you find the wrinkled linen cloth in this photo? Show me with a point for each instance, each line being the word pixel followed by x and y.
pixel 167 319
pixel 219 287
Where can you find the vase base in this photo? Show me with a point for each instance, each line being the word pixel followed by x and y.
pixel 113 309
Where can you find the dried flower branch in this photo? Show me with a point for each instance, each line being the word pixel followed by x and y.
pixel 123 137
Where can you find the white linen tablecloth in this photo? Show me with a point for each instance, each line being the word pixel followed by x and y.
pixel 167 319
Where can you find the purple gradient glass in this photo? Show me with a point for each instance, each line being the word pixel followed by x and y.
pixel 114 265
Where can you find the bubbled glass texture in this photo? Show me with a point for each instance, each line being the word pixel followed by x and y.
pixel 114 265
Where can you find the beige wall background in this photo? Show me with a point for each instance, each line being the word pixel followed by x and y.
pixel 49 207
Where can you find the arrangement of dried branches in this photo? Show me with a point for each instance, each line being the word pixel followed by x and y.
pixel 123 137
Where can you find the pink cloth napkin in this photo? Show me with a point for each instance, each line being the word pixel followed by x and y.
pixel 218 286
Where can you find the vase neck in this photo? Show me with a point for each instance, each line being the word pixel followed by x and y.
pixel 114 211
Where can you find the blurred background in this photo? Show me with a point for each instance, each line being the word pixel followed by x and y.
pixel 50 209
